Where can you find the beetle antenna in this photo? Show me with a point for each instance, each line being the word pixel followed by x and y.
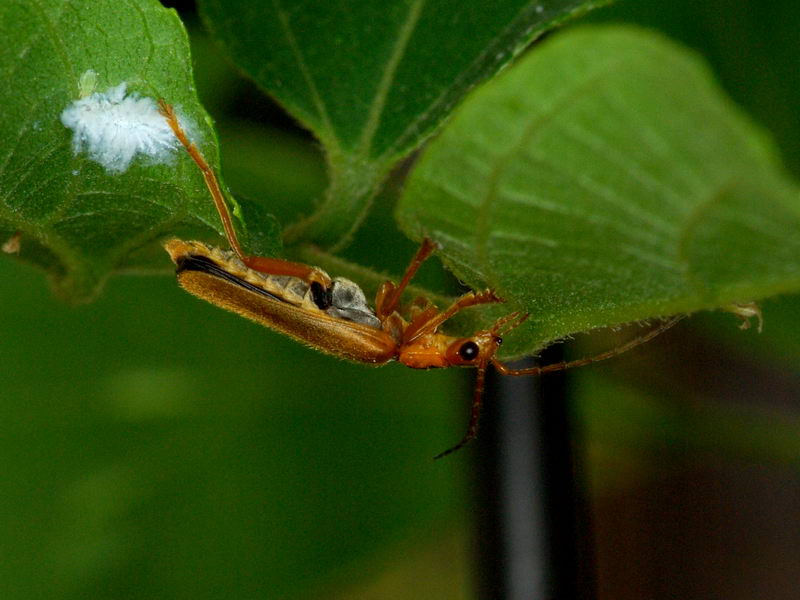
pixel 561 366
pixel 475 415
pixel 513 320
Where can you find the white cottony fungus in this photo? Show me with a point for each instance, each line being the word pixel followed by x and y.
pixel 114 128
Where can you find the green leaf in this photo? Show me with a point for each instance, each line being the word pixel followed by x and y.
pixel 752 47
pixel 606 179
pixel 77 219
pixel 373 79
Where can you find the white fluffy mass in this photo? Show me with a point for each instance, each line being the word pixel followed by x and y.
pixel 114 129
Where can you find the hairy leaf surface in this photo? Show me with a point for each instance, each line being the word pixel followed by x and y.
pixel 373 79
pixel 76 218
pixel 607 179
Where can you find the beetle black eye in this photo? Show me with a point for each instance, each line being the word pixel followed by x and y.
pixel 468 351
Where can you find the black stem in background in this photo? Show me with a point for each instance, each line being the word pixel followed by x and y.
pixel 533 537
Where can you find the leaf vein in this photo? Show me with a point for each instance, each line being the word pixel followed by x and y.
pixel 378 105
pixel 322 111
pixel 448 95
pixel 610 154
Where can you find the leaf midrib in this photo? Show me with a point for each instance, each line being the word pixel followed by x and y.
pixel 328 134
pixel 378 105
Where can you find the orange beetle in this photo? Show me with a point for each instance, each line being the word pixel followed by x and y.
pixel 333 316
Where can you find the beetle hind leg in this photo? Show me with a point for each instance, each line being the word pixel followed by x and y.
pixel 263 264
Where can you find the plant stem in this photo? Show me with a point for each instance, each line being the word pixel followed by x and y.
pixel 533 539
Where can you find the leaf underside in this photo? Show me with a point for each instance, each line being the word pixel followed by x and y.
pixel 76 219
pixel 606 179
pixel 373 80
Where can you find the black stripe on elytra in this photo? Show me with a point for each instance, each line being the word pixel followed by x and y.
pixel 206 265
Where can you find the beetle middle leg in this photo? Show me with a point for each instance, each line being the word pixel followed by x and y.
pixel 430 320
pixel 425 318
pixel 388 297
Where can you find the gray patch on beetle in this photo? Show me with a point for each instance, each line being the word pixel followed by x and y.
pixel 291 285
pixel 349 302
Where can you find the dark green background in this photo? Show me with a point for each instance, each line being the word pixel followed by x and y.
pixel 156 447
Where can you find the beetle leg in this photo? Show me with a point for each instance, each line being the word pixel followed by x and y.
pixel 560 366
pixel 278 266
pixel 420 305
pixel 467 300
pixel 263 264
pixel 420 320
pixel 508 323
pixel 385 290
pixel 388 297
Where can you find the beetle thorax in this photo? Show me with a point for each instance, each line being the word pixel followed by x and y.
pixel 426 352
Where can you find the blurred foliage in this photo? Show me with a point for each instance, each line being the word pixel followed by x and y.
pixel 155 447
